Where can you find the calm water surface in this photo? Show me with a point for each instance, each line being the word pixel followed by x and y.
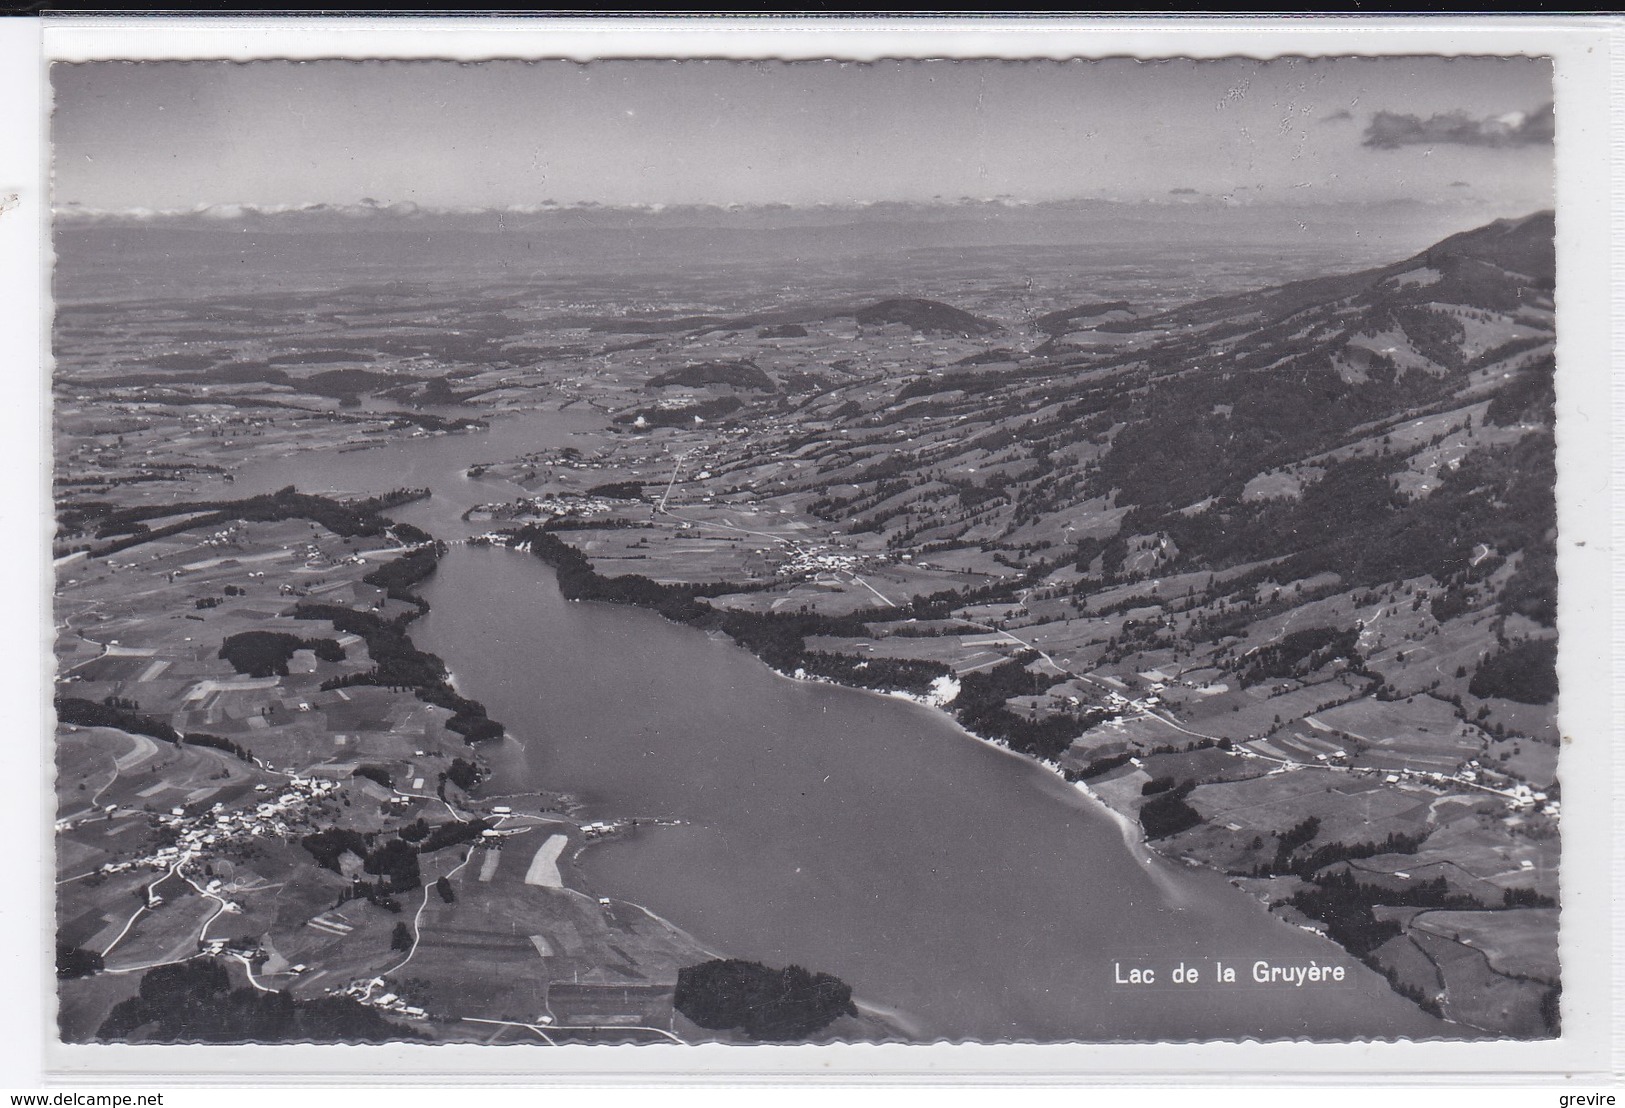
pixel 966 888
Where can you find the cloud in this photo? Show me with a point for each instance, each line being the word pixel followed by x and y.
pixel 1338 116
pixel 1391 130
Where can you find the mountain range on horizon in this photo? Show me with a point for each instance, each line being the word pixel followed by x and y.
pixel 232 241
pixel 300 215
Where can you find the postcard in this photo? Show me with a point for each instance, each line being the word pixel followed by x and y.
pixel 810 550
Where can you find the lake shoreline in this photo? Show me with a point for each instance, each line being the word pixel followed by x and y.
pixel 1056 1024
pixel 1163 870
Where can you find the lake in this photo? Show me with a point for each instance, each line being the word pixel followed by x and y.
pixel 969 890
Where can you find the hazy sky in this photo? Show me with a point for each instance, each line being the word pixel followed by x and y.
pixel 178 134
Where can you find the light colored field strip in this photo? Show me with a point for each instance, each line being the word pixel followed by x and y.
pixel 488 865
pixel 141 748
pixel 544 867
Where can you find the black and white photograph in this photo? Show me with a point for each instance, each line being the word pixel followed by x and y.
pixel 656 552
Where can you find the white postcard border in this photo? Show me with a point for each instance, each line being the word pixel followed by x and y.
pixel 1591 467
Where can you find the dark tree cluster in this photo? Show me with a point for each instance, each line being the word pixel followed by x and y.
pixel 398 663
pixel 1346 912
pixel 397 577
pixel 74 961
pixel 329 845
pixel 766 1004
pixel 194 1002
pixel 218 742
pixel 1529 397
pixel 980 706
pixel 79 712
pixel 1167 814
pixel 267 653
pixel 375 773
pixel 407 533
pixel 453 833
pixel 1531 591
pixel 1396 842
pixel 1526 898
pixel 396 859
pixel 590 523
pixel 463 773
pixel 778 638
pixel 359 517
pixel 926 316
pixel 1344 905
pixel 1098 767
pixel 904 674
pixel 618 490
pixel 1298 654
pixel 578 580
pixel 1524 671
